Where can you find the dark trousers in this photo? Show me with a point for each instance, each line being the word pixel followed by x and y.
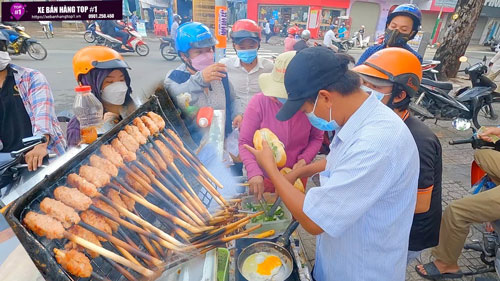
pixel 269 36
pixel 123 35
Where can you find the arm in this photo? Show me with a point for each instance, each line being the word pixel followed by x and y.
pixel 178 82
pixel 250 124
pixel 495 58
pixel 306 171
pixel 314 145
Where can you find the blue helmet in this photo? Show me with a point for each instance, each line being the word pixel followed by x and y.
pixel 407 10
pixel 332 26
pixel 193 35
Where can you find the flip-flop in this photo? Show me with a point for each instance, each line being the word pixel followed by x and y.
pixel 434 274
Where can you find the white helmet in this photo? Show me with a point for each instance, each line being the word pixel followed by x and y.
pixel 306 34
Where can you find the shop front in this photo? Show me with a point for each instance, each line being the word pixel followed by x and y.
pixel 315 15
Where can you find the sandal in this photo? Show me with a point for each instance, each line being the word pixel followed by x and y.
pixel 434 274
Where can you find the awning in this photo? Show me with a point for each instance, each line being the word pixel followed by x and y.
pixel 155 3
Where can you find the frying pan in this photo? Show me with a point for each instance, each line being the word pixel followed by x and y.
pixel 278 249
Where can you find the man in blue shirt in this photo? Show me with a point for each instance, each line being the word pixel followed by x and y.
pixel 342 31
pixel 363 210
pixel 401 26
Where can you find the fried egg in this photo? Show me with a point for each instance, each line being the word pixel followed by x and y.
pixel 263 266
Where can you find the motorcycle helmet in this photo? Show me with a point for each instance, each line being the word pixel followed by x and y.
pixel 99 57
pixel 306 35
pixel 193 35
pixel 177 17
pixel 404 75
pixel 4 42
pixel 292 30
pixel 332 26
pixel 245 29
pixel 407 10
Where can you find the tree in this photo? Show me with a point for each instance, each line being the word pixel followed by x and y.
pixel 457 36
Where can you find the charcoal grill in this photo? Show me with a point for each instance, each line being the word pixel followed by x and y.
pixel 40 249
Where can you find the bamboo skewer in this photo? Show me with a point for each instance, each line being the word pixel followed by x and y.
pixel 106 253
pixel 120 269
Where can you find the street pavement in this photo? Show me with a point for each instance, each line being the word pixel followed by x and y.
pixel 148 72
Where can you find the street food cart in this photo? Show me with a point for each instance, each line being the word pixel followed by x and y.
pixel 148 209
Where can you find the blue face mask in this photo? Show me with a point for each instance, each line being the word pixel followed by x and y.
pixel 380 96
pixel 247 56
pixel 320 123
pixel 282 100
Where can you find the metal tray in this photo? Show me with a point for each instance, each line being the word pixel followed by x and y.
pixel 40 248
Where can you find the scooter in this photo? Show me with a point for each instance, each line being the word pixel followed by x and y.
pixel 359 41
pixel 134 43
pixel 435 103
pixel 91 36
pixel 428 70
pixel 167 48
pixel 12 167
pixel 489 247
pixel 47 28
pixel 23 43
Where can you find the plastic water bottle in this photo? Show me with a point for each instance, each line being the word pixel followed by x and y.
pixel 88 109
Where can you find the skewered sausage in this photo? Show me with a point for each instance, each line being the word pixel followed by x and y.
pixel 82 184
pixel 85 234
pixel 58 210
pixel 103 165
pixel 136 185
pixel 157 119
pixel 72 197
pixel 44 225
pixel 167 154
pixel 112 155
pixel 94 175
pixel 97 221
pixel 124 152
pixel 110 210
pixel 136 134
pixel 128 141
pixel 142 128
pixel 74 262
pixel 128 201
pixel 150 124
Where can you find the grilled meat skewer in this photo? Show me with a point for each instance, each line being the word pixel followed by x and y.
pixel 85 234
pixel 112 155
pixel 74 262
pixel 58 210
pixel 85 187
pixel 104 165
pixel 94 175
pixel 72 197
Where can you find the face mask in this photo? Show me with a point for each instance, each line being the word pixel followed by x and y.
pixel 380 96
pixel 320 123
pixel 115 93
pixel 202 61
pixel 394 38
pixel 282 100
pixel 4 60
pixel 247 56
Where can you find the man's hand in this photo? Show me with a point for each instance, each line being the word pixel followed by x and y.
pixel 237 121
pixel 301 163
pixel 214 72
pixel 34 158
pixel 485 135
pixel 257 186
pixel 264 157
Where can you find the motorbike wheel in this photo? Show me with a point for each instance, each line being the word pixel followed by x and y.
pixel 89 37
pixel 37 51
pixel 346 46
pixel 142 49
pixel 168 52
pixel 46 32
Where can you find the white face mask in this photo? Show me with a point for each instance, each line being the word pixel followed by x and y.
pixel 4 60
pixel 115 93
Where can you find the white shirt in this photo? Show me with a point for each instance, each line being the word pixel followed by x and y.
pixel 496 63
pixel 267 28
pixel 366 200
pixel 329 37
pixel 245 84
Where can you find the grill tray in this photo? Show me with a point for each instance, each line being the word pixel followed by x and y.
pixel 40 249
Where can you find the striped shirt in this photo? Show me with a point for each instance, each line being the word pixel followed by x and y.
pixel 39 104
pixel 366 200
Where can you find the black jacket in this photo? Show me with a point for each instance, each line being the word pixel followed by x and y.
pixel 425 228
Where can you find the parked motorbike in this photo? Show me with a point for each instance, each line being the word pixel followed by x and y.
pixel 134 43
pixel 23 44
pixel 489 247
pixel 428 70
pixel 436 103
pixel 167 48
pixel 359 41
pixel 12 164
pixel 47 28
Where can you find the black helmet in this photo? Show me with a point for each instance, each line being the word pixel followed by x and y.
pixel 177 17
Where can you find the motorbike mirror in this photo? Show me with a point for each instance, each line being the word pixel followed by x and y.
pixel 461 124
pixel 463 59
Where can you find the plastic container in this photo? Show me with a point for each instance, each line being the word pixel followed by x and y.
pixel 278 225
pixel 222 264
pixel 202 267
pixel 89 112
pixel 205 116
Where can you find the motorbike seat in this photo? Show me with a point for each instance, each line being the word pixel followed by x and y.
pixel 440 85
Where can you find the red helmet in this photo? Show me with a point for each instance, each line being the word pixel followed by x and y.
pixel 245 29
pixel 293 30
